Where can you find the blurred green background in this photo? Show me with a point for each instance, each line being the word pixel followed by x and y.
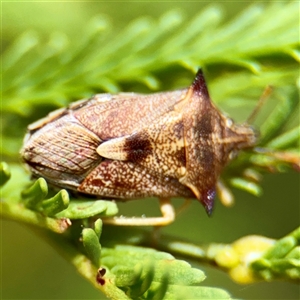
pixel 30 269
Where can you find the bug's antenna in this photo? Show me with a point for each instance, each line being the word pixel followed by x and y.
pixel 266 93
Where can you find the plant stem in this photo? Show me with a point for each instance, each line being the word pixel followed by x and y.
pixel 18 212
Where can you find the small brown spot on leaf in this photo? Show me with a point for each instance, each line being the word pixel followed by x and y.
pixel 100 274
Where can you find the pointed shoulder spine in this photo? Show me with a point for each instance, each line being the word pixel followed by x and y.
pixel 199 85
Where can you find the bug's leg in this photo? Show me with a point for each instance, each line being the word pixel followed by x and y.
pixel 166 208
pixel 184 206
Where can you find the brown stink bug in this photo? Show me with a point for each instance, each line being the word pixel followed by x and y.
pixel 130 146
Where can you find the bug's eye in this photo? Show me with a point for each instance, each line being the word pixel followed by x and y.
pixel 229 122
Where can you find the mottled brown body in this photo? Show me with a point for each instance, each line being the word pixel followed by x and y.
pixel 129 146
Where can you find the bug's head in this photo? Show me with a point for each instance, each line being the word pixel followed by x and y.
pixel 239 136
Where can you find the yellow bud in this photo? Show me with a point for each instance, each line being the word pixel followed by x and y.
pixel 242 274
pixel 227 257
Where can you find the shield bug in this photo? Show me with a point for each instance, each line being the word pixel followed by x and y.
pixel 130 146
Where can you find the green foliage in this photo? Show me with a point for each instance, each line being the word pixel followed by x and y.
pixel 282 261
pixel 156 54
pixel 246 260
pixel 5 173
pixel 91 244
pixel 84 209
pixel 150 274
pixel 61 207
pixel 144 273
